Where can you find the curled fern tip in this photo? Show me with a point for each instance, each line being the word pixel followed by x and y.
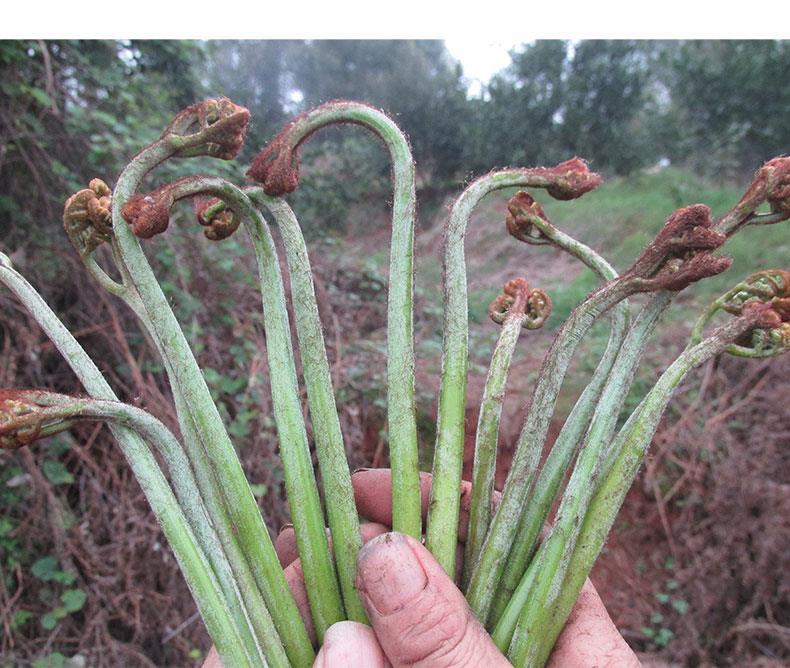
pixel 87 216
pixel 213 127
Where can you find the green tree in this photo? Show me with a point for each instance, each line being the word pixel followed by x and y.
pixel 729 103
pixel 606 105
pixel 415 81
pixel 72 110
pixel 516 123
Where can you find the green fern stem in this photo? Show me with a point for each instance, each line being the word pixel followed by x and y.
pixel 304 502
pixel 529 648
pixel 487 432
pixel 487 573
pixel 542 496
pixel 204 433
pixel 277 168
pixel 550 563
pixel 338 493
pixel 235 645
pixel 442 525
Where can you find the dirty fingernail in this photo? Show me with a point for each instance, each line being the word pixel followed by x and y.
pixel 390 576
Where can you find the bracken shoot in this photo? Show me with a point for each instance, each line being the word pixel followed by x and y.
pixel 520 582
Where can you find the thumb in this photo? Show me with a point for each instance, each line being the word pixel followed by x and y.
pixel 419 615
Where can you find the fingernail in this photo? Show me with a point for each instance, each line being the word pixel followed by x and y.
pixel 362 469
pixel 389 576
pixel 347 644
pixel 284 527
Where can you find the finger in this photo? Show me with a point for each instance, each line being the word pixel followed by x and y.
pixel 212 659
pixel 287 551
pixel 373 495
pixel 419 615
pixel 294 576
pixel 590 637
pixel 349 644
pixel 285 545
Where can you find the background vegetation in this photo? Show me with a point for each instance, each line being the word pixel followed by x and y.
pixel 693 573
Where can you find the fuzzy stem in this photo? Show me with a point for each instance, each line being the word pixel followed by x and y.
pixel 303 498
pixel 406 513
pixel 230 642
pixel 304 502
pixel 537 508
pixel 496 548
pixel 550 563
pixel 236 569
pixel 442 529
pixel 551 476
pixel 200 418
pixel 532 649
pixel 228 561
pixel 338 492
pixel 320 577
pixel 679 255
pixel 101 277
pixel 488 432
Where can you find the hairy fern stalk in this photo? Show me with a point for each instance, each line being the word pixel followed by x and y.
pixel 521 586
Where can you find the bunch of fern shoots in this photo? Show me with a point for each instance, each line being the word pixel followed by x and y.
pixel 519 579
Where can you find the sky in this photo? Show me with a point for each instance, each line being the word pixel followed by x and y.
pixel 480 59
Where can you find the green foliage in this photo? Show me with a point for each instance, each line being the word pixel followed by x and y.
pixel 58 660
pixel 54 660
pixel 603 116
pixel 730 101
pixel 74 109
pixel 47 569
pixel 20 618
pixel 714 106
pixel 517 124
pixel 73 600
pixel 555 101
pixel 659 634
pixel 56 472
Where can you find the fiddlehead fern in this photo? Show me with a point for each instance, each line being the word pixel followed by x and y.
pixel 527 222
pixel 277 168
pixel 679 255
pixel 531 647
pixel 517 307
pixel 567 180
pixel 303 497
pixel 213 127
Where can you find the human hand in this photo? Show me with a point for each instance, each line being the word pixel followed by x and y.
pixel 418 615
